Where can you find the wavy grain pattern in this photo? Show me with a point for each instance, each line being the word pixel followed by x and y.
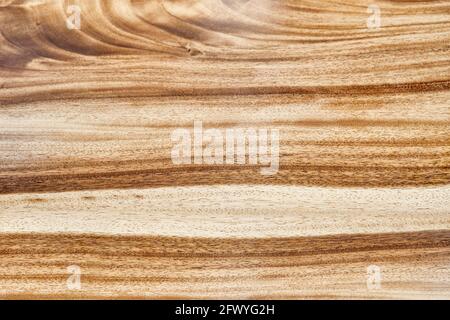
pixel 86 175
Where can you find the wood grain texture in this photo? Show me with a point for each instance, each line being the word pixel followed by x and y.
pixel 87 179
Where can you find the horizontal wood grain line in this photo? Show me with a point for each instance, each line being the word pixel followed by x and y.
pixel 87 177
pixel 228 211
pixel 135 91
pixel 320 267
pixel 211 175
pixel 138 246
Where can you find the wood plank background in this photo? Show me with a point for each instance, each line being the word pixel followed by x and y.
pixel 86 176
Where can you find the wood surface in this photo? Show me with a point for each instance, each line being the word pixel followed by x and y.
pixel 87 179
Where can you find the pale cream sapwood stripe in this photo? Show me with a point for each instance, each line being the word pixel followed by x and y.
pixel 229 211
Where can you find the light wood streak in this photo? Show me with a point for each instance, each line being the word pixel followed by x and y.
pixel 242 211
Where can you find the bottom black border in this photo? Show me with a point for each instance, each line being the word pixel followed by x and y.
pixel 220 309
